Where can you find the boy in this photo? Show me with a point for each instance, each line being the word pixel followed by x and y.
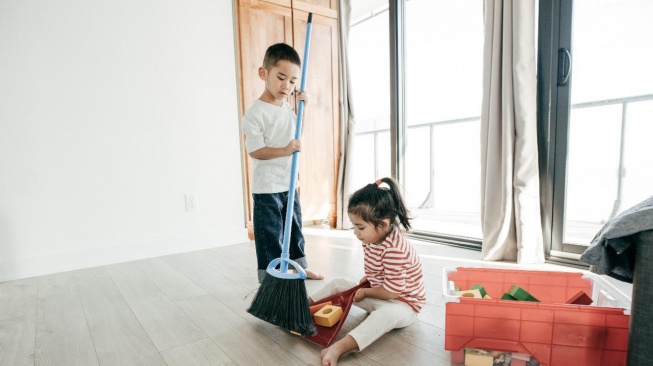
pixel 269 127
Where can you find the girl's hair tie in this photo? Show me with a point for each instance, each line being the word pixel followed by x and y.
pixel 382 185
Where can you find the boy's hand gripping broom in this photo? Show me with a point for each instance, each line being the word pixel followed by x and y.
pixel 282 299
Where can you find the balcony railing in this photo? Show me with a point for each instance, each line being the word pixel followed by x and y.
pixel 428 201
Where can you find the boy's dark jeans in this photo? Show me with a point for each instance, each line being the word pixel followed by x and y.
pixel 269 222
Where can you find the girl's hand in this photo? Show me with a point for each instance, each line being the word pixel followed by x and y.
pixel 293 145
pixel 363 280
pixel 360 295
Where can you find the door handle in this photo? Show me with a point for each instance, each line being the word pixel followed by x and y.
pixel 564 66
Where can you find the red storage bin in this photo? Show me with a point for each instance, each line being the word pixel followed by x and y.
pixel 555 333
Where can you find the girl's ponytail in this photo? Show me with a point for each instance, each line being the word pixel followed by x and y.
pixel 400 207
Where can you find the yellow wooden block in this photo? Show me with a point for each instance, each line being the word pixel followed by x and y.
pixel 328 316
pixel 469 293
pixel 478 360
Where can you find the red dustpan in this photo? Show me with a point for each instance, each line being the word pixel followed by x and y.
pixel 325 335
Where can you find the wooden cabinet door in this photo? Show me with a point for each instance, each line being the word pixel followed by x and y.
pixel 320 156
pixel 263 23
pixel 260 24
pixel 326 8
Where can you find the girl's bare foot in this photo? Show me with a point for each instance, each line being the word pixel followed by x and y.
pixel 329 357
pixel 310 275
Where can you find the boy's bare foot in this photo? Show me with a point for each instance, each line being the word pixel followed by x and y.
pixel 310 275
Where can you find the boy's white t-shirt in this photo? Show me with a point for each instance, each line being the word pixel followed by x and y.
pixel 266 124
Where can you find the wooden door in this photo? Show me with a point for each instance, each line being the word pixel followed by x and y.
pixel 320 156
pixel 263 23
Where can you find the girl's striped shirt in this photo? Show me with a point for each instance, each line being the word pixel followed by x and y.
pixel 395 265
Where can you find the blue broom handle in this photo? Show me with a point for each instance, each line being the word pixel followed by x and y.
pixel 295 156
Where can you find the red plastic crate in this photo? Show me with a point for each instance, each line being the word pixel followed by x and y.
pixel 555 333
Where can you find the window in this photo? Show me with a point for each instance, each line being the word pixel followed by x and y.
pixel 595 111
pixel 369 62
pixel 444 73
pixel 443 63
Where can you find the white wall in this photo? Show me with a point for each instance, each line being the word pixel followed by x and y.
pixel 110 112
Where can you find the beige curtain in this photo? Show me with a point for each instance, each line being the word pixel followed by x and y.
pixel 510 210
pixel 347 124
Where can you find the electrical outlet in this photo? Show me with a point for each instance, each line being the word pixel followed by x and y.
pixel 191 203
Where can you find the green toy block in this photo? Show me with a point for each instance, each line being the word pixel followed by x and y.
pixel 521 294
pixel 480 289
pixel 507 296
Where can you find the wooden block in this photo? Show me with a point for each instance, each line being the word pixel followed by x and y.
pixel 521 294
pixel 520 356
pixel 480 288
pixel 580 298
pixel 487 297
pixel 458 357
pixel 469 293
pixel 507 296
pixel 478 358
pixel 328 316
pixel 313 309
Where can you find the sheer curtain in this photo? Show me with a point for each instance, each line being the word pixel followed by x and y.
pixel 510 204
pixel 346 117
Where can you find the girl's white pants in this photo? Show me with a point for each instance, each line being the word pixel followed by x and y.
pixel 385 315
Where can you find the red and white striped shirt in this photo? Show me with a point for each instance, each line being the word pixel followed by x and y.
pixel 396 266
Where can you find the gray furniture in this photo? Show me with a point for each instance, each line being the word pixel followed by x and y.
pixel 640 339
pixel 623 249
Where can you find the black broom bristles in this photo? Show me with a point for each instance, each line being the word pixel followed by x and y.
pixel 283 302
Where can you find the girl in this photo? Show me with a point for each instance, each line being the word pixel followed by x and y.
pixel 392 267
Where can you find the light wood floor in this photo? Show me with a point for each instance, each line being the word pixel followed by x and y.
pixel 190 309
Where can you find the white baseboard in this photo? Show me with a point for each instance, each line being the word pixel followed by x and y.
pixel 92 257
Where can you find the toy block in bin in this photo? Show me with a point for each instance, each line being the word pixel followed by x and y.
pixel 328 316
pixel 507 296
pixel 479 357
pixel 580 298
pixel 518 359
pixel 458 357
pixel 480 289
pixel 521 294
pixel 470 294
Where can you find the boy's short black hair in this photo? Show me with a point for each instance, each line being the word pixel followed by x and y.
pixel 278 52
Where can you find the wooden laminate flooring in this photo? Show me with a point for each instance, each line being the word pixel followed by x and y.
pixel 190 309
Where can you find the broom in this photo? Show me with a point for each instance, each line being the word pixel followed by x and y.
pixel 282 299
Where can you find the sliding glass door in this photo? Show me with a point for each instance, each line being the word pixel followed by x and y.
pixel 604 119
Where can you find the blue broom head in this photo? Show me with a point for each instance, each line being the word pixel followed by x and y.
pixel 282 272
